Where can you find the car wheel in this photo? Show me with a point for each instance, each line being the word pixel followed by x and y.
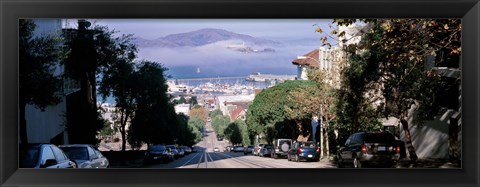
pixel 357 163
pixel 340 162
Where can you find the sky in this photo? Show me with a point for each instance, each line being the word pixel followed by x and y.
pixel 297 37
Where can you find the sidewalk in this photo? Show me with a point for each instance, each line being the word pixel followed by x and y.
pixel 430 163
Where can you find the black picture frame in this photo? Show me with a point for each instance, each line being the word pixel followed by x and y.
pixel 467 10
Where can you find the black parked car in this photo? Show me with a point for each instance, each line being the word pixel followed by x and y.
pixel 266 150
pixel 365 148
pixel 43 156
pixel 158 153
pixel 307 151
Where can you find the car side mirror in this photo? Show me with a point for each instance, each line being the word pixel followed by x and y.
pixel 49 162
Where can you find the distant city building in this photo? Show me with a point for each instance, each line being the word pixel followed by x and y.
pixel 182 108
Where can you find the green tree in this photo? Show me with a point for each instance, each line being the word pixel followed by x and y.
pixel 196 122
pixel 155 118
pixel 182 100
pixel 215 113
pixel 396 60
pixel 220 123
pixel 38 57
pixel 269 111
pixel 233 133
pixel 118 77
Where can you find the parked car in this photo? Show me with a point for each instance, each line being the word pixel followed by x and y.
pixel 85 156
pixel 176 153
pixel 281 147
pixel 365 148
pixel 194 149
pixel 266 150
pixel 219 138
pixel 238 148
pixel 257 149
pixel 181 152
pixel 228 148
pixel 187 149
pixel 158 152
pixel 216 149
pixel 43 156
pixel 307 151
pixel 248 150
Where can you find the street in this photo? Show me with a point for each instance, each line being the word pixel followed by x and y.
pixel 205 157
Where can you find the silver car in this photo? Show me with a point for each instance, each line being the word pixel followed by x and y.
pixel 43 156
pixel 85 156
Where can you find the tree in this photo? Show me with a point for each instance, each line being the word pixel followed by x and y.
pixel 199 112
pixel 196 122
pixel 155 118
pixel 193 101
pixel 182 100
pixel 215 113
pixel 233 134
pixel 90 49
pixel 220 123
pixel 270 107
pixel 396 60
pixel 118 77
pixel 38 58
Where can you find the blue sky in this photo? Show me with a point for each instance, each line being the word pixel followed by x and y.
pixel 297 35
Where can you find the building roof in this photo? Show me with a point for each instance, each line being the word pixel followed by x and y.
pixel 308 61
pixel 235 113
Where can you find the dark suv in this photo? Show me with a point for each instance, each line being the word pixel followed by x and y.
pixel 281 147
pixel 365 148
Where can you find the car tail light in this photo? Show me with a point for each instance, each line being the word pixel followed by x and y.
pixel 300 149
pixel 364 148
pixel 318 150
pixel 397 150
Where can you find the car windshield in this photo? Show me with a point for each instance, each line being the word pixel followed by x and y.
pixel 76 153
pixel 267 146
pixel 157 148
pixel 379 138
pixel 28 156
pixel 250 146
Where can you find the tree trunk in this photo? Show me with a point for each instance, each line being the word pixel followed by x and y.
pixel 408 139
pixel 23 123
pixel 122 129
pixel 327 147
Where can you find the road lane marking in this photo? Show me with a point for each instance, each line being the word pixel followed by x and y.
pixel 209 155
pixel 200 161
pixel 245 162
pixel 196 154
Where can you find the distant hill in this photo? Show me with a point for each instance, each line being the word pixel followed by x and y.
pixel 200 38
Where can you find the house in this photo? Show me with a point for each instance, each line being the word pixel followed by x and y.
pixel 239 113
pixel 303 64
pixel 49 126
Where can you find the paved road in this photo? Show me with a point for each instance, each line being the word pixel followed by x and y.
pixel 205 157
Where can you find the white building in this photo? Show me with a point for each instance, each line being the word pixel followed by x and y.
pixel 49 126
pixel 182 108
